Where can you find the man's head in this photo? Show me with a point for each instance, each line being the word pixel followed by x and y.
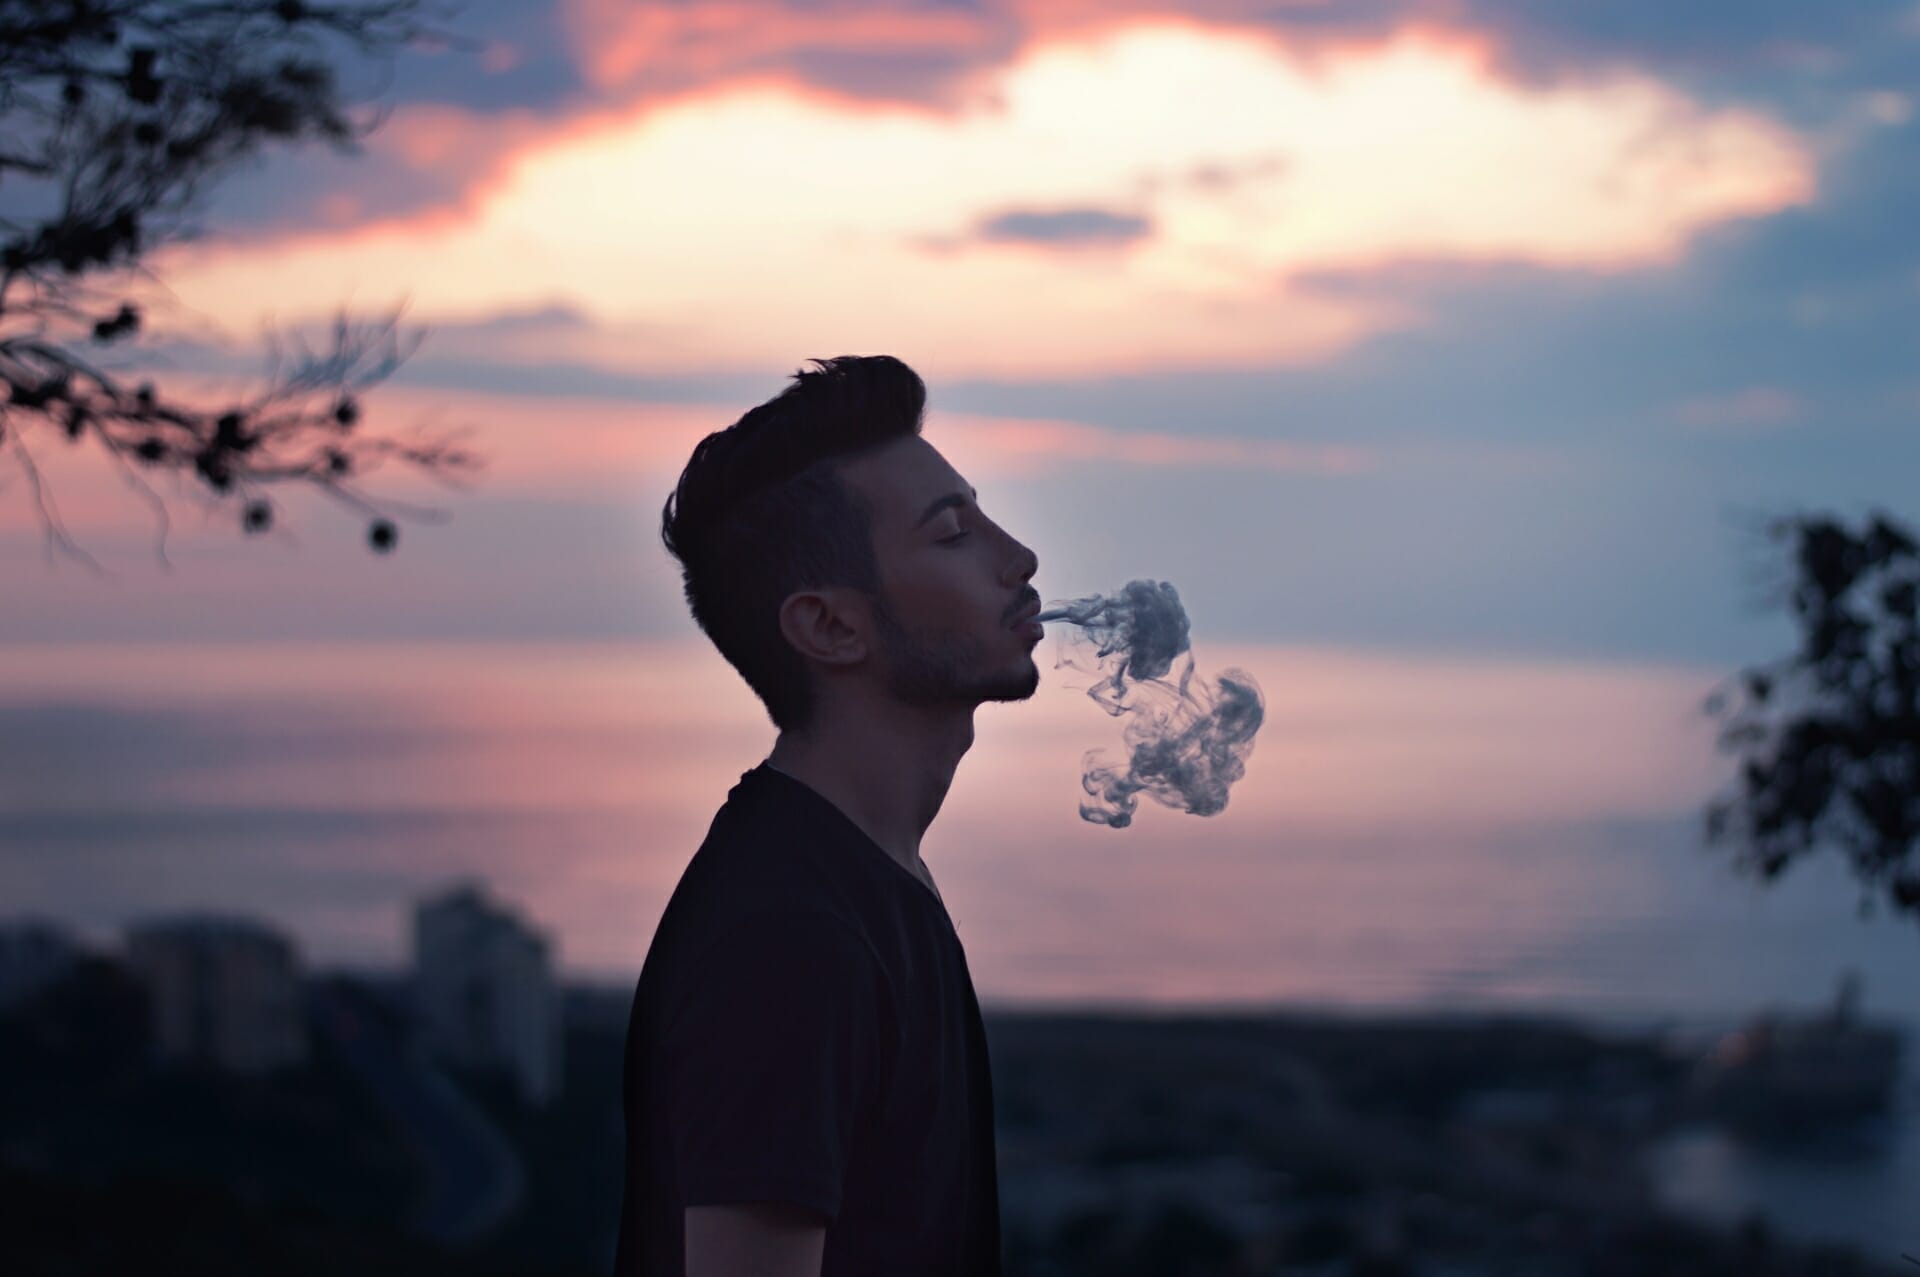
pixel 811 560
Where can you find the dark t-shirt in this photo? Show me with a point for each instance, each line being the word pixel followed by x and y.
pixel 805 1030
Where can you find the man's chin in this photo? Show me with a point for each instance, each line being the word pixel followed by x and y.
pixel 1018 689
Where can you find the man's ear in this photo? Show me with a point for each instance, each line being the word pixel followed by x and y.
pixel 829 626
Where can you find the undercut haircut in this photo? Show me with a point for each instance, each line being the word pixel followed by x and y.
pixel 761 511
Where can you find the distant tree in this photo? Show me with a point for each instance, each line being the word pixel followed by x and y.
pixel 1829 738
pixel 115 115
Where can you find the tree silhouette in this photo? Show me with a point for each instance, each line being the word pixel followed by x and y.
pixel 1830 738
pixel 114 117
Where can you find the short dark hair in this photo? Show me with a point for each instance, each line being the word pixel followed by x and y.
pixel 761 511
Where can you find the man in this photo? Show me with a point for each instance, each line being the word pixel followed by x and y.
pixel 807 1086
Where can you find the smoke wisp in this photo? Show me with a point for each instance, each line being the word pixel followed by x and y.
pixel 1187 743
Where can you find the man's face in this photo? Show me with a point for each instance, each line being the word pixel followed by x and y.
pixel 951 583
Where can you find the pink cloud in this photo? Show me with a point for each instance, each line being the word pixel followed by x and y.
pixel 660 220
pixel 619 42
pixel 839 48
pixel 648 56
pixel 428 167
pixel 644 57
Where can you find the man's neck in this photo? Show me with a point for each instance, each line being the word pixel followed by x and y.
pixel 889 778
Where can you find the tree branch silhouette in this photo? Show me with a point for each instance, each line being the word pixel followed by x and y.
pixel 116 115
pixel 1829 739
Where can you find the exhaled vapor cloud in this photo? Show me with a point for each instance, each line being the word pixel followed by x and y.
pixel 1186 745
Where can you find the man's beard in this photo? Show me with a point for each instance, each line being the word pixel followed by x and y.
pixel 936 667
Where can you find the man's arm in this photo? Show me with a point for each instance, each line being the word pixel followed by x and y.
pixel 754 1239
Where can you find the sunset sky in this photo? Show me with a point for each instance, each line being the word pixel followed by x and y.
pixel 1480 325
pixel 1443 346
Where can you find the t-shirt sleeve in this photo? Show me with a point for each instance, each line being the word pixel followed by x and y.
pixel 766 1057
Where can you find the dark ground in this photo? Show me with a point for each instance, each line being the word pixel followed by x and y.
pixel 1174 1146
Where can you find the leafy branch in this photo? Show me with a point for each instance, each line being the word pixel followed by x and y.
pixel 117 115
pixel 1829 739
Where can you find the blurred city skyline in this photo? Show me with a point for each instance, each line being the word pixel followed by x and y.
pixel 1442 356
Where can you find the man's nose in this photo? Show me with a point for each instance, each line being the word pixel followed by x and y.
pixel 1026 562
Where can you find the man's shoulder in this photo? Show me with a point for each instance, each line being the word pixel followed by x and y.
pixel 748 873
pixel 754 902
pixel 757 859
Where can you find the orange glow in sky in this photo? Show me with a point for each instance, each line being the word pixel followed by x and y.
pixel 733 227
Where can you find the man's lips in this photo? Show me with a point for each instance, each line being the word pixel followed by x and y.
pixel 1027 613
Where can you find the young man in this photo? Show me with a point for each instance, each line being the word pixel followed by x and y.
pixel 807 1086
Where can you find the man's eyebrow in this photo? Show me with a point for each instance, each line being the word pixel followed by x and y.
pixel 941 503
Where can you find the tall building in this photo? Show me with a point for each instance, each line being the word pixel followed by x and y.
pixel 226 991
pixel 485 990
pixel 33 954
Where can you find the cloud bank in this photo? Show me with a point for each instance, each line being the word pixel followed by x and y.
pixel 739 225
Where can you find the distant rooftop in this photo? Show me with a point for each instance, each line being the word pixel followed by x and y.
pixel 211 926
